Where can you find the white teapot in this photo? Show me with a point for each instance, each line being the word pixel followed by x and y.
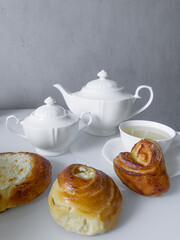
pixel 108 103
pixel 50 128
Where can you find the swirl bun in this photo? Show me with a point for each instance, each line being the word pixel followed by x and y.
pixel 85 200
pixel 143 170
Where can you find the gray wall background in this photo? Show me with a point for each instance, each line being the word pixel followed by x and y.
pixel 43 42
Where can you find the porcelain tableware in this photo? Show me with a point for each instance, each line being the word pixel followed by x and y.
pixel 168 137
pixel 108 103
pixel 50 128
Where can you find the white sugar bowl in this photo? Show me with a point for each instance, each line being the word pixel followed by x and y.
pixel 50 128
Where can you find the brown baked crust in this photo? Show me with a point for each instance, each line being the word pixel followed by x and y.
pixel 94 198
pixel 143 170
pixel 90 194
pixel 31 186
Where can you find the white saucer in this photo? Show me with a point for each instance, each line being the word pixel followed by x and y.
pixel 113 147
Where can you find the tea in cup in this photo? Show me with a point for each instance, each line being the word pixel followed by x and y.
pixel 133 131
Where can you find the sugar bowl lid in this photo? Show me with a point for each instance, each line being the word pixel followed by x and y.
pixel 50 115
pixel 49 110
pixel 103 88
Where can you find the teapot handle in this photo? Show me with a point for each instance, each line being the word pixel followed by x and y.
pixel 86 118
pixel 136 95
pixel 17 122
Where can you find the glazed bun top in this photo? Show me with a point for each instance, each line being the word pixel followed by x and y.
pixel 89 190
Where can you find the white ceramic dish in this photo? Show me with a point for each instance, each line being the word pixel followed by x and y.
pixel 171 138
pixel 172 157
pixel 51 129
pixel 108 103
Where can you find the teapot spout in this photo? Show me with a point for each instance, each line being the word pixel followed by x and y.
pixel 66 94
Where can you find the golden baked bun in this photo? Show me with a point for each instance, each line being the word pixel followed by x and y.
pixel 85 200
pixel 143 170
pixel 23 177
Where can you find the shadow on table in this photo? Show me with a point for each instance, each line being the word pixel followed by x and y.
pixel 87 142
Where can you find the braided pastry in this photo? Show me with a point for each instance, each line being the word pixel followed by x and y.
pixel 143 170
pixel 85 200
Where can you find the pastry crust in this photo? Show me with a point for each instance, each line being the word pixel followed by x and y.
pixel 23 177
pixel 143 170
pixel 85 200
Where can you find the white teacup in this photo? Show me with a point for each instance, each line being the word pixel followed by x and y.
pixel 133 131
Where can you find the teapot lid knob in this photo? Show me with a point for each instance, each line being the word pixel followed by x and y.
pixel 102 74
pixel 50 101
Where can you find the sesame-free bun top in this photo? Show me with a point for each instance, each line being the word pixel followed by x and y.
pixel 143 170
pixel 85 200
pixel 23 177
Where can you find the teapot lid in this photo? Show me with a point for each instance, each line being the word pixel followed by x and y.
pixel 102 83
pixel 49 110
pixel 103 89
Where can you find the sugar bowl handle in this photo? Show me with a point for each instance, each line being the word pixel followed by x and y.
pixel 86 118
pixel 17 122
pixel 136 95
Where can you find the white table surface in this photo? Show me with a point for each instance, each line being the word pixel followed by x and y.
pixel 142 217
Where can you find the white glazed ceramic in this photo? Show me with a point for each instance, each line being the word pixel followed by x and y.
pixel 129 141
pixel 108 103
pixel 50 128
